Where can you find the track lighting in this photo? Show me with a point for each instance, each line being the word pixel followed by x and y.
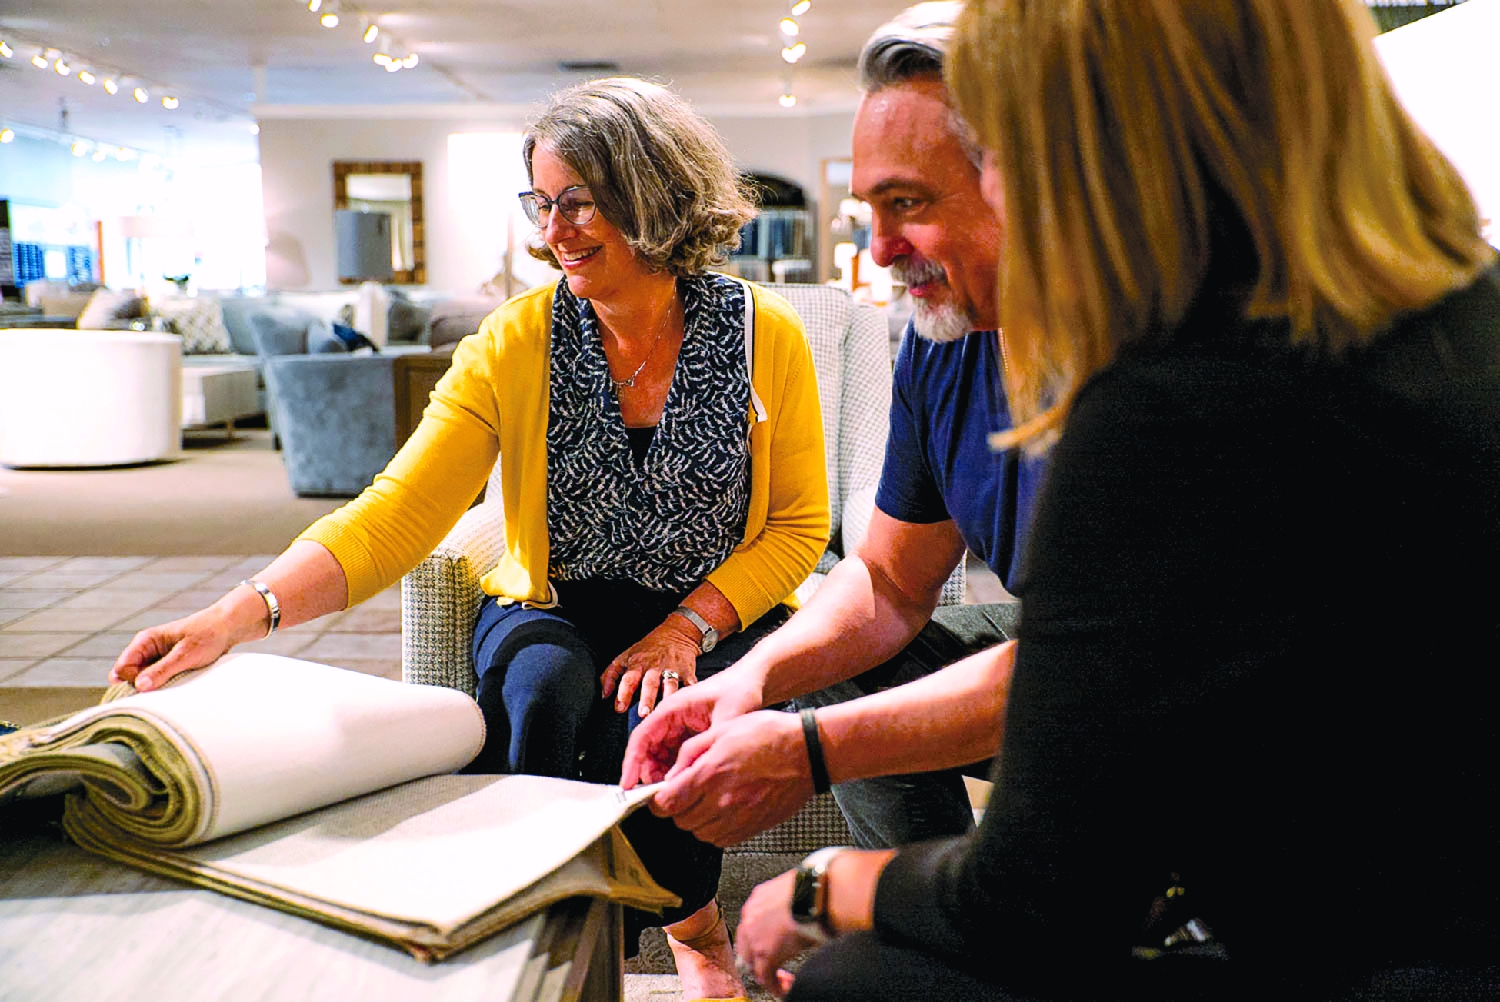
pixel 141 95
pixel 62 67
pixel 39 61
pixel 87 77
pixel 6 51
pixel 110 87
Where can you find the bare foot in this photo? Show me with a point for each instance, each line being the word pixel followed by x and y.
pixel 704 957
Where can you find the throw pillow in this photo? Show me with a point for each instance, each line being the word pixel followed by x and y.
pixel 405 320
pixel 108 306
pixel 321 340
pixel 352 339
pixel 199 322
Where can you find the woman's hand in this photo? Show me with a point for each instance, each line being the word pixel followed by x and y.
pixel 155 655
pixel 668 648
pixel 767 937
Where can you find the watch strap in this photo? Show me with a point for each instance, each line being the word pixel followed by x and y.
pixel 708 636
pixel 810 896
pixel 816 766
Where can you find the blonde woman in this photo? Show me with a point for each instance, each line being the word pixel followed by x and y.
pixel 1248 309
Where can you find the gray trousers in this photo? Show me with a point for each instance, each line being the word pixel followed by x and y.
pixel 889 811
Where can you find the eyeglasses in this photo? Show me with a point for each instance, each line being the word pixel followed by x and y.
pixel 576 205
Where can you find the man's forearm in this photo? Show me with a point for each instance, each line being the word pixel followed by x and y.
pixel 950 718
pixel 854 622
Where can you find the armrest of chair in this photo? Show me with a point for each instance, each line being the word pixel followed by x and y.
pixel 440 601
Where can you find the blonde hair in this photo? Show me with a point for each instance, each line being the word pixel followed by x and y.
pixel 1120 127
pixel 657 170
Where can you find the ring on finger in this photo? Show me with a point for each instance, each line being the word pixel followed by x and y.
pixel 671 676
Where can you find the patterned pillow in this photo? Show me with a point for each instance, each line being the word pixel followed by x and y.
pixel 108 306
pixel 199 322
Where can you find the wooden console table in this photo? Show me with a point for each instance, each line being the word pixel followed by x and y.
pixel 78 928
pixel 416 375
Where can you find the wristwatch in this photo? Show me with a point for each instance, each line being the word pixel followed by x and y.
pixel 710 638
pixel 810 895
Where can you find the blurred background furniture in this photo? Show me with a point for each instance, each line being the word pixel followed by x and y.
pixel 341 417
pixel 88 398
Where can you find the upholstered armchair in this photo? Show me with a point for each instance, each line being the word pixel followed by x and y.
pixel 851 350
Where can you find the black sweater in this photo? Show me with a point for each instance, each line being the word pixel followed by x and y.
pixel 1261 624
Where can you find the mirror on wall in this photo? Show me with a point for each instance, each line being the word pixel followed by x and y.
pixel 392 188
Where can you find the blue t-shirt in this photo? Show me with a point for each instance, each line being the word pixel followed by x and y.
pixel 947 399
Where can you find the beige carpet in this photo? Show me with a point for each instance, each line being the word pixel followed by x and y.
pixel 220 496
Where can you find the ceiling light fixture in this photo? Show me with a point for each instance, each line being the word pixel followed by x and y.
pixel 789 27
pixel 372 32
pixel 330 18
pixel 62 67
pixel 801 7
pixel 792 53
pixel 7 135
pixel 87 77
pixel 100 154
pixel 788 100
pixel 39 61
pixel 314 5
pixel 169 102
pixel 141 95
pixel 410 62
pixel 110 87
pixel 80 148
pixel 7 52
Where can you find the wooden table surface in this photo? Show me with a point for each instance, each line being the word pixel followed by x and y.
pixel 78 928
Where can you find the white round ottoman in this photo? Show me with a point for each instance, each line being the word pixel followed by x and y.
pixel 88 398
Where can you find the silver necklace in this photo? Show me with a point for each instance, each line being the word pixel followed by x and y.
pixel 621 384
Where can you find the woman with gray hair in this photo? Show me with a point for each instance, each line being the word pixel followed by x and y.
pixel 661 456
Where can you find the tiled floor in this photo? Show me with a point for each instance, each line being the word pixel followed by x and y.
pixel 64 620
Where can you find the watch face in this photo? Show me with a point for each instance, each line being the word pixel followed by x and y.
pixel 804 895
pixel 710 640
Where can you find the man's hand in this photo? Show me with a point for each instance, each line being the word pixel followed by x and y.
pixel 738 778
pixel 656 741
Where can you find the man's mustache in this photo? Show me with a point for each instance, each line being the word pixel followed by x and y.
pixel 917 271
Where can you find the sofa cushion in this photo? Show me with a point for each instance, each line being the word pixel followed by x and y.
pixel 280 332
pixel 239 311
pixel 455 319
pixel 405 320
pixel 199 322
pixel 106 306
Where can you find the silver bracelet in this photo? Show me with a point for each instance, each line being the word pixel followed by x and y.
pixel 272 606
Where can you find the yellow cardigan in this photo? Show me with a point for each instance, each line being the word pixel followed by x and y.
pixel 493 403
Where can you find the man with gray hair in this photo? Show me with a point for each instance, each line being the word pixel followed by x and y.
pixel 879 671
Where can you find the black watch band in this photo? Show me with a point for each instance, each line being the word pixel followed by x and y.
pixel 816 765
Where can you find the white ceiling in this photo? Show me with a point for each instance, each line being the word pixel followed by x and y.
pixel 230 61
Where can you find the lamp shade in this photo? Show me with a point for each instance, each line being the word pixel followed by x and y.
pixel 364 245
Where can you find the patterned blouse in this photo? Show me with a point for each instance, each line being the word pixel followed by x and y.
pixel 669 520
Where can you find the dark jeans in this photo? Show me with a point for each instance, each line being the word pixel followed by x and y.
pixel 889 811
pixel 539 691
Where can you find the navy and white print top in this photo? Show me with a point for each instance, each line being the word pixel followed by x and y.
pixel 667 521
